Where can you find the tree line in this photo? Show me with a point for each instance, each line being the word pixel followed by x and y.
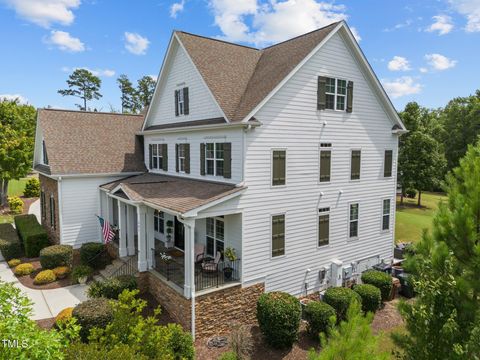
pixel 83 84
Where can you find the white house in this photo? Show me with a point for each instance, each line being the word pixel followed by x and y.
pixel 287 155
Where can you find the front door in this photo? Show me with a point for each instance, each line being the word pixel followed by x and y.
pixel 179 235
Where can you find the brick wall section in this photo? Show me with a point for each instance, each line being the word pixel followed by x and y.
pixel 215 312
pixel 50 187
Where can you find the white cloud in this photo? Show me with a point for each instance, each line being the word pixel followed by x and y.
pixel 96 72
pixel 471 10
pixel 136 44
pixel 263 23
pixel 64 41
pixel 176 8
pixel 399 63
pixel 10 97
pixel 443 24
pixel 403 86
pixel 45 12
pixel 440 62
pixel 423 70
pixel 398 26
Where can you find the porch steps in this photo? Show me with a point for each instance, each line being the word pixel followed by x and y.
pixel 112 268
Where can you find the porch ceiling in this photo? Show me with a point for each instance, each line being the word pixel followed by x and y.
pixel 171 192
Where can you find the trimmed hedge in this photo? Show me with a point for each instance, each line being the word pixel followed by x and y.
pixel 15 204
pixel 10 245
pixel 319 316
pixel 33 235
pixel 64 315
pixel 14 262
pixel 44 277
pixel 23 269
pixel 55 256
pixel 340 299
pixel 113 287
pixel 92 313
pixel 61 272
pixel 90 254
pixel 381 280
pixel 371 297
pixel 278 315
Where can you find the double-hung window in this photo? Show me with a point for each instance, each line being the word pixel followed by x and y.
pixel 323 226
pixel 386 214
pixel 215 231
pixel 325 161
pixel 181 157
pixel 157 156
pixel 214 159
pixel 52 212
pixel 159 221
pixel 278 235
pixel 181 103
pixel 335 93
pixel 387 163
pixel 279 167
pixel 353 221
pixel 355 164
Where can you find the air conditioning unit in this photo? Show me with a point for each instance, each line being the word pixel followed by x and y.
pixel 337 272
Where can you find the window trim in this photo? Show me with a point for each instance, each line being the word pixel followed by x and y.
pixel 158 147
pixel 272 150
pixel 350 167
pixel 214 237
pixel 335 95
pixel 53 223
pixel 318 214
pixel 214 159
pixel 384 162
pixel 43 205
pixel 181 147
pixel 382 214
pixel 180 102
pixel 320 149
pixel 284 235
pixel 353 238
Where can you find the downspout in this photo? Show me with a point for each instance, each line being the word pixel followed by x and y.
pixel 60 223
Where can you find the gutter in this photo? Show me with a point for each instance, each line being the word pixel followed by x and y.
pixel 201 127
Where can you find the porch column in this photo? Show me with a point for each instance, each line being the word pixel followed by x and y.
pixel 142 238
pixel 189 287
pixel 110 209
pixel 122 229
pixel 130 230
pixel 150 238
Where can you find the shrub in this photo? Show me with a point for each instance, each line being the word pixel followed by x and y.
pixel 371 297
pixel 381 280
pixel 229 355
pixel 113 287
pixel 240 342
pixel 9 242
pixel 61 272
pixel 92 254
pixel 320 317
pixel 23 269
pixel 33 236
pixel 44 277
pixel 64 315
pixel 411 193
pixel 15 204
pixel 340 299
pixel 278 315
pixel 92 313
pixel 55 256
pixel 14 262
pixel 80 351
pixel 32 188
pixel 81 271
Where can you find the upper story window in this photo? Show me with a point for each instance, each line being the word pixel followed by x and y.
pixel 325 161
pixel 387 163
pixel 44 153
pixel 355 164
pixel 182 155
pixel 216 159
pixel 181 102
pixel 279 167
pixel 278 235
pixel 334 94
pixel 323 226
pixel 158 156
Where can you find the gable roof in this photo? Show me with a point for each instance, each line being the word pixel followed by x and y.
pixel 81 142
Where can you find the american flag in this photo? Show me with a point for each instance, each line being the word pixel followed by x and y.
pixel 107 231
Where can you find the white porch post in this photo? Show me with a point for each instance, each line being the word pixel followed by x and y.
pixel 122 228
pixel 150 237
pixel 189 286
pixel 110 209
pixel 142 238
pixel 130 230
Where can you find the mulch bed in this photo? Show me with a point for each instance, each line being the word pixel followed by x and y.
pixel 27 280
pixel 387 318
pixel 46 324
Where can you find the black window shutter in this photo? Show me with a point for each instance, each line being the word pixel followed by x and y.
pixel 185 100
pixel 350 97
pixel 176 157
pixel 150 155
pixel 227 160
pixel 321 98
pixel 202 159
pixel 176 102
pixel 187 158
pixel 165 156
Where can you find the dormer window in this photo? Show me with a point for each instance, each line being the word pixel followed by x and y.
pixel 181 102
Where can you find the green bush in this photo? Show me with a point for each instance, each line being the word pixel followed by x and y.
pixel 15 204
pixel 371 297
pixel 113 287
pixel 44 277
pixel 32 188
pixel 340 299
pixel 278 315
pixel 55 256
pixel 381 280
pixel 92 254
pixel 321 318
pixel 81 271
pixel 33 236
pixel 229 355
pixel 9 242
pixel 92 313
pixel 23 269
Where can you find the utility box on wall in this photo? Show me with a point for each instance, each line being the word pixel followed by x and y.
pixel 337 272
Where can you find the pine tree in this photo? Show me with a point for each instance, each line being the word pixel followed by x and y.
pixel 84 85
pixel 145 89
pixel 128 95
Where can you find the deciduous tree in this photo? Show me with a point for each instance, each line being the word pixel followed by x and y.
pixel 145 89
pixel 128 95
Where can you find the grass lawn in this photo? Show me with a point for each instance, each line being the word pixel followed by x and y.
pixel 411 220
pixel 16 187
pixel 385 342
pixel 5 218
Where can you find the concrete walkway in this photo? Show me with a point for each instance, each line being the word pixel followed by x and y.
pixel 35 210
pixel 46 303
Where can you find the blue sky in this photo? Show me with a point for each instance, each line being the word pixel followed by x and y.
pixel 427 51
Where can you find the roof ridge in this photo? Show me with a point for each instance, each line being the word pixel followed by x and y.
pixel 90 112
pixel 219 40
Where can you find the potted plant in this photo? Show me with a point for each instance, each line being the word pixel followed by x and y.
pixel 167 259
pixel 169 230
pixel 81 273
pixel 231 256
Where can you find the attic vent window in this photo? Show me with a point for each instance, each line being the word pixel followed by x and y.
pixel 181 102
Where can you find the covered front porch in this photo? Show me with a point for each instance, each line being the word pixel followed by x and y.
pixel 192 241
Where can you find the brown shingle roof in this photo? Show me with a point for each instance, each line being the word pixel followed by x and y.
pixel 80 142
pixel 171 192
pixel 241 77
